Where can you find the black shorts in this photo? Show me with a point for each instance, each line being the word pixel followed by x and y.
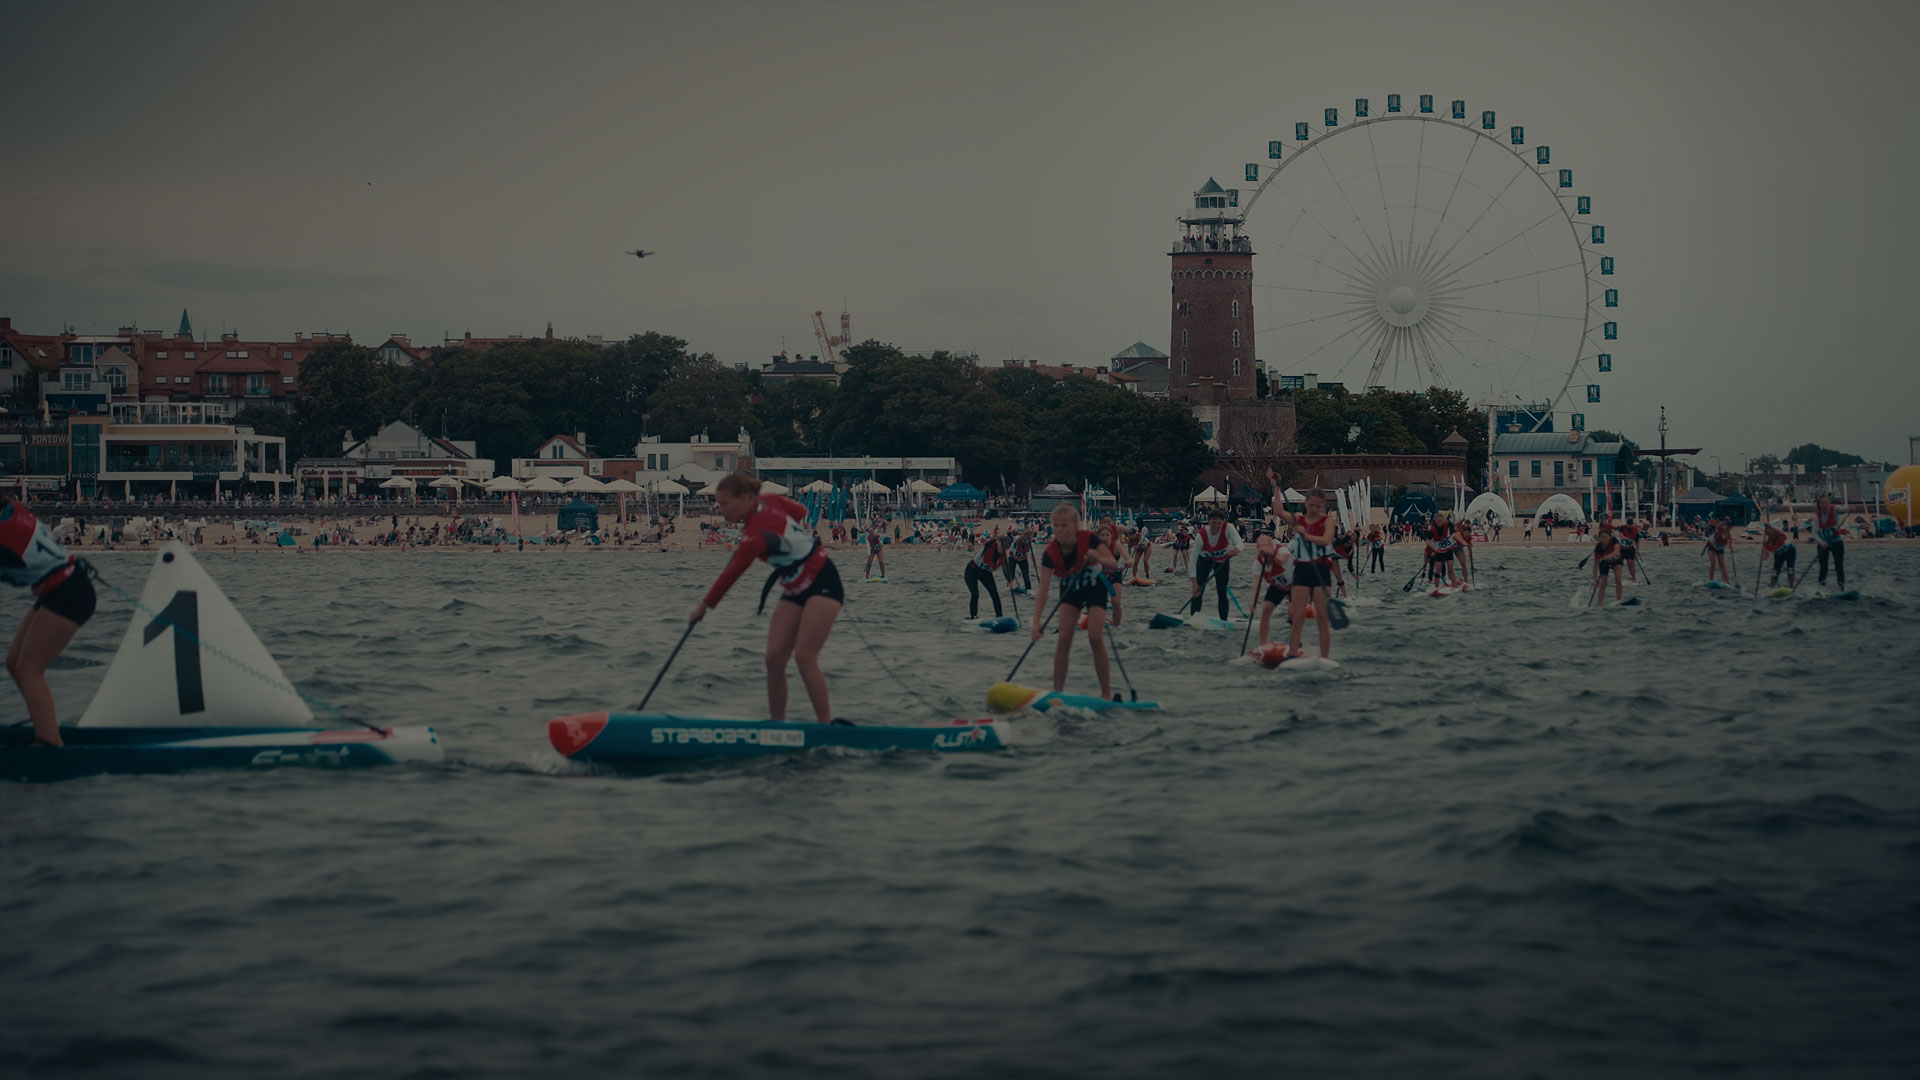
pixel 1308 575
pixel 1092 597
pixel 1275 594
pixel 1442 556
pixel 72 599
pixel 826 583
pixel 1610 564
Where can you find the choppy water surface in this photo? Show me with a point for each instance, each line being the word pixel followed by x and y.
pixel 1513 838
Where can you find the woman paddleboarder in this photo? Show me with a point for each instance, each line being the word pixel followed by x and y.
pixel 1607 558
pixel 1312 546
pixel 1276 575
pixel 63 602
pixel 1776 544
pixel 1829 540
pixel 773 528
pixel 1082 563
pixel 1718 542
pixel 980 570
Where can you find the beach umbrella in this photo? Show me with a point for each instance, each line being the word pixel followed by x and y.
pixel 818 486
pixel 622 487
pixel 771 488
pixel 585 485
pixel 395 483
pixel 547 484
pixel 504 483
pixel 870 486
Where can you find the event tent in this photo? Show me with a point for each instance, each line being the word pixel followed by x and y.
pixel 1210 496
pixel 962 492
pixel 1488 503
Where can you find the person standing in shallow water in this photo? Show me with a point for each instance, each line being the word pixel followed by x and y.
pixel 63 602
pixel 773 529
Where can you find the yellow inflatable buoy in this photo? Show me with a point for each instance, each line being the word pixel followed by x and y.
pixel 1902 487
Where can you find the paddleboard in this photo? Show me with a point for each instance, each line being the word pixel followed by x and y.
pixel 1144 583
pixel 1781 594
pixel 1273 656
pixel 876 581
pixel 1004 624
pixel 1443 592
pixel 192 687
pixel 1717 585
pixel 640 738
pixel 1011 697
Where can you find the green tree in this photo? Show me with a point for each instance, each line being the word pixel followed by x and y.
pixel 266 420
pixel 792 417
pixel 1767 463
pixel 702 395
pixel 343 388
pixel 1818 458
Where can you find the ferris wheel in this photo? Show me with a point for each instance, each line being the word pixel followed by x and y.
pixel 1416 247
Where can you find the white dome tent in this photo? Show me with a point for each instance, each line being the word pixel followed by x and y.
pixel 1487 503
pixel 1561 506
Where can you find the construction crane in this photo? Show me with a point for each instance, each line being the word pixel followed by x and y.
pixel 828 344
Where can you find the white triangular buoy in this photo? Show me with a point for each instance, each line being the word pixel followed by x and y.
pixel 216 673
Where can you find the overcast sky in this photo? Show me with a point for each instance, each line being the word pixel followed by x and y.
pixel 999 178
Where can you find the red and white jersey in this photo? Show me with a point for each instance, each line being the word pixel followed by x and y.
pixel 1219 544
pixel 775 531
pixel 29 555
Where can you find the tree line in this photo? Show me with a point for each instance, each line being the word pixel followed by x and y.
pixel 1010 426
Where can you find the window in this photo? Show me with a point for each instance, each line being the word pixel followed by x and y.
pixel 76 380
pixel 286 355
pixel 1586 467
pixel 720 465
pixel 1559 473
pixel 83 354
pixel 650 463
pixel 1236 314
pixel 216 384
pixel 180 380
pixel 188 355
pixel 558 452
pixel 1206 429
pixel 1536 467
pixel 1513 467
pixel 256 384
pixel 1183 363
pixel 286 380
pixel 236 354
pixel 1236 360
pixel 1236 339
pixel 6 356
pixel 161 355
pixel 117 378
pixel 1183 337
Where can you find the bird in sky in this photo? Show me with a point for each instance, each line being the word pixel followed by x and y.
pixel 641 254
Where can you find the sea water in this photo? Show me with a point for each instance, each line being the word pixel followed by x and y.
pixel 1511 837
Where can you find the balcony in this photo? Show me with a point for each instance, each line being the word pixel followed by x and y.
pixel 117 463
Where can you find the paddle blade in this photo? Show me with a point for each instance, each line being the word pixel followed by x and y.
pixel 1009 697
pixel 1164 622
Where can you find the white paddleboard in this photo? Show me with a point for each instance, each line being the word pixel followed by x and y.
pixel 1309 663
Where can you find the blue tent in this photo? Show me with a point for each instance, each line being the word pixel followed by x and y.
pixel 1414 506
pixel 963 492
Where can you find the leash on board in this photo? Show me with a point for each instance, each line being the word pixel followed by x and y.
pixel 217 652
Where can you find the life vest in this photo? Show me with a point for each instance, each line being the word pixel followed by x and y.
pixel 1304 548
pixel 1775 543
pixel 989 556
pixel 1629 534
pixel 29 555
pixel 1277 571
pixel 1022 550
pixel 1826 524
pixel 1082 572
pixel 1441 536
pixel 1213 545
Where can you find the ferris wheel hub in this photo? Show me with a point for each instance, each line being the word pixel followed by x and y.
pixel 1402 299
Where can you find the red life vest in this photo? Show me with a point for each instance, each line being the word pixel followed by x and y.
pixel 1080 573
pixel 1275 571
pixel 1214 544
pixel 29 555
pixel 989 556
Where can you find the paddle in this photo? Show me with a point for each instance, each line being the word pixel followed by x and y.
pixel 684 634
pixel 1248 636
pixel 1408 587
pixel 1034 641
pixel 1758 570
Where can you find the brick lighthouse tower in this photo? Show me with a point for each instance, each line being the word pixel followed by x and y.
pixel 1210 352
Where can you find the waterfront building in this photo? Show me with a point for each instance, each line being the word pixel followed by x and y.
pixel 1538 465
